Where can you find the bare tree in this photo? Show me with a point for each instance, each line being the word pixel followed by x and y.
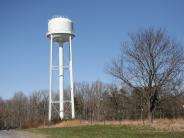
pixel 150 63
pixel 18 108
pixel 88 100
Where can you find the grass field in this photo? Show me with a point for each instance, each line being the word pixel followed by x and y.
pixel 107 131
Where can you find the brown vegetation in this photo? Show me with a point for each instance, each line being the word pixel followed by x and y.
pixel 158 124
pixel 93 102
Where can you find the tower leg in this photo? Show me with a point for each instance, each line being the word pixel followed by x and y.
pixel 50 81
pixel 61 84
pixel 71 77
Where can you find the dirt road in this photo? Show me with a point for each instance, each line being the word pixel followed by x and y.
pixel 18 134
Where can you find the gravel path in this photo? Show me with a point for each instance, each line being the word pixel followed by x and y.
pixel 18 134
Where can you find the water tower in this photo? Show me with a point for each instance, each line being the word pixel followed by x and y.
pixel 60 31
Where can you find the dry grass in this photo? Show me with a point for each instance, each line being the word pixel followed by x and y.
pixel 158 124
pixel 168 124
pixel 67 123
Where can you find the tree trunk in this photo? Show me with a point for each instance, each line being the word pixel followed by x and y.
pixel 150 113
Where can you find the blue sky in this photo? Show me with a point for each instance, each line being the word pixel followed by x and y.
pixel 100 27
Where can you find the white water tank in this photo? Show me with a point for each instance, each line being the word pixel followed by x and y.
pixel 60 28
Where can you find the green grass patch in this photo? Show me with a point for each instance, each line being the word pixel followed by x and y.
pixel 107 131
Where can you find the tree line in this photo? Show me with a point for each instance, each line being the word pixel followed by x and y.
pixel 94 101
